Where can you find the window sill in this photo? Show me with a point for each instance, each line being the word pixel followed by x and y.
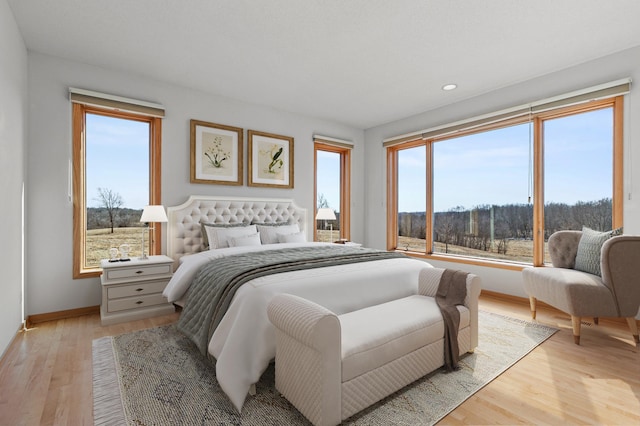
pixel 87 273
pixel 512 266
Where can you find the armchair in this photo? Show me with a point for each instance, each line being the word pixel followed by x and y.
pixel 616 293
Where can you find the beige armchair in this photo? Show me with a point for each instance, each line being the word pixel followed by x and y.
pixel 581 294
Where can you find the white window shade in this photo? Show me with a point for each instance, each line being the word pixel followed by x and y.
pixel 103 100
pixel 340 143
pixel 594 93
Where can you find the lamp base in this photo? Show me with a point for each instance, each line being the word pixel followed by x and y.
pixel 144 255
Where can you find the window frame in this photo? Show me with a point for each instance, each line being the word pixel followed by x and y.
pixel 79 113
pixel 345 186
pixel 537 120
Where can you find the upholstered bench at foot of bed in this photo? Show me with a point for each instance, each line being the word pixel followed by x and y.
pixel 331 367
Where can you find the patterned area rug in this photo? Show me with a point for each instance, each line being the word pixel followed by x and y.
pixel 157 377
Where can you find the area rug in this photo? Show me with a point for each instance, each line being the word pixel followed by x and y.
pixel 157 377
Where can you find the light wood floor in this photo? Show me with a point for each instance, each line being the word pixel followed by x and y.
pixel 46 375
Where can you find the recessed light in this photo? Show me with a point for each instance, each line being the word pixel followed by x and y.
pixel 449 86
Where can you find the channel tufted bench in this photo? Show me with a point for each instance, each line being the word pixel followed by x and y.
pixel 332 366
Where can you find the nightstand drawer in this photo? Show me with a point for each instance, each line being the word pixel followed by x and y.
pixel 136 289
pixel 137 272
pixel 135 302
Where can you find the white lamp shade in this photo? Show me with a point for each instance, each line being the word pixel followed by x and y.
pixel 325 214
pixel 153 214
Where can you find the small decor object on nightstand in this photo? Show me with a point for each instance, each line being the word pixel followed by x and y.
pixel 113 254
pixel 151 214
pixel 124 252
pixel 347 242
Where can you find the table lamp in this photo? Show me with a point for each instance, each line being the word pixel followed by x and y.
pixel 151 214
pixel 326 213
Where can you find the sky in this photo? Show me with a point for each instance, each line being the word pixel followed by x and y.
pixel 117 159
pixel 117 153
pixel 487 168
pixel 328 169
pixel 493 167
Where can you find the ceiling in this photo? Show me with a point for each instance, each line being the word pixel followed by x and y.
pixel 358 62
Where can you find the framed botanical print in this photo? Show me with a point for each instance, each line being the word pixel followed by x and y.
pixel 270 160
pixel 216 153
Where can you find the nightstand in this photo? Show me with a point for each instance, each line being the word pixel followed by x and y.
pixel 348 243
pixel 133 290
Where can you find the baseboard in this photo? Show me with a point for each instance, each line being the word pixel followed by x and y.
pixel 69 313
pixel 509 298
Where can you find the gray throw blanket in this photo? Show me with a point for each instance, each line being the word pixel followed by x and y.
pixel 215 284
pixel 452 291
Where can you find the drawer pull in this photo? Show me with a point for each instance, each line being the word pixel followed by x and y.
pixel 139 302
pixel 139 289
pixel 139 272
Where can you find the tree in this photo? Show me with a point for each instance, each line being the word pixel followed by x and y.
pixel 445 227
pixel 110 201
pixel 322 201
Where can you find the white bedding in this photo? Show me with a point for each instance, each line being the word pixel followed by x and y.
pixel 244 342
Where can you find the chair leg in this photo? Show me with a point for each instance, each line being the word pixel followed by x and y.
pixel 575 323
pixel 596 320
pixel 532 303
pixel 633 326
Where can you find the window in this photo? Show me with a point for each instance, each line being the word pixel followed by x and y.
pixel 480 198
pixel 332 188
pixel 579 171
pixel 116 172
pixel 495 192
pixel 412 196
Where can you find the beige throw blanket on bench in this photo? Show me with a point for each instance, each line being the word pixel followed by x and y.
pixel 452 291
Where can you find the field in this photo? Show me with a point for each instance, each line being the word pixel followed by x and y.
pixel 324 236
pixel 99 241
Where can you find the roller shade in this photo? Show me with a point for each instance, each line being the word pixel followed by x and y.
pixel 103 100
pixel 602 91
pixel 340 143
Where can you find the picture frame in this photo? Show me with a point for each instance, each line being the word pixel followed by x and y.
pixel 216 153
pixel 270 160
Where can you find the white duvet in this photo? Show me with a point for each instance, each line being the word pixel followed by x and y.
pixel 244 342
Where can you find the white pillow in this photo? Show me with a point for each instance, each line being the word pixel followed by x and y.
pixel 205 225
pixel 298 237
pixel 269 233
pixel 219 237
pixel 245 240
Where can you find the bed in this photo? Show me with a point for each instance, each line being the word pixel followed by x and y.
pixel 243 342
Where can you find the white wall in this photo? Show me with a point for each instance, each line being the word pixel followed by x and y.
pixel 50 286
pixel 13 125
pixel 621 65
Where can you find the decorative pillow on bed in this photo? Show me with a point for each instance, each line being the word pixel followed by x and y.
pixel 589 248
pixel 245 240
pixel 297 237
pixel 274 223
pixel 206 225
pixel 219 236
pixel 269 231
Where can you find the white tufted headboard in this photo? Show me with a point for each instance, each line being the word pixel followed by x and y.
pixel 184 235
